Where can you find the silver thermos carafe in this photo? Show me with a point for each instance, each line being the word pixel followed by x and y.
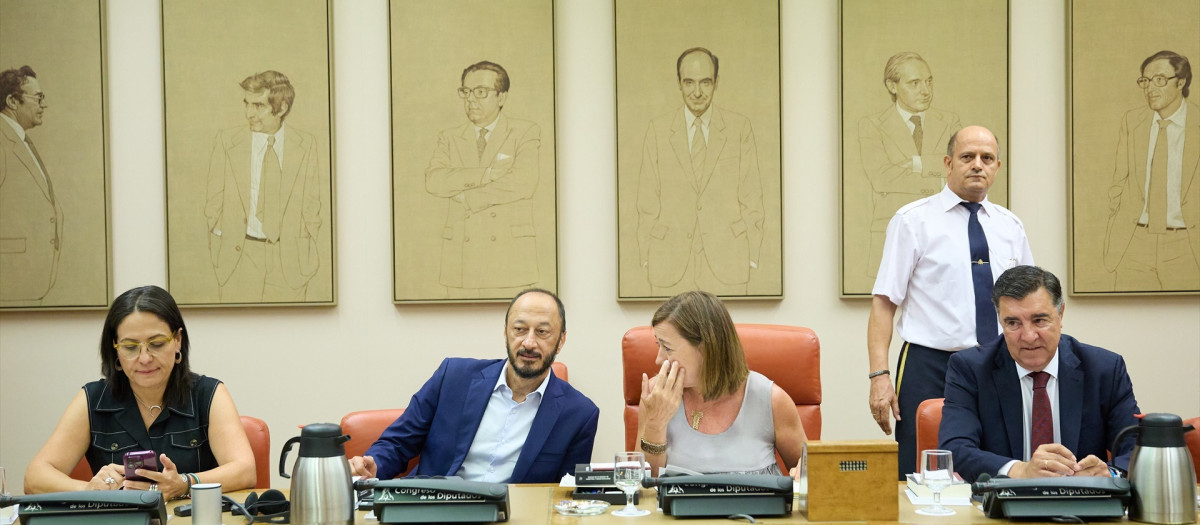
pixel 1160 471
pixel 321 488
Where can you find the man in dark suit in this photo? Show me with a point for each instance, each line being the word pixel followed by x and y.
pixel 1035 403
pixel 502 421
pixel 487 170
pixel 264 200
pixel 901 146
pixel 31 219
pixel 1153 240
pixel 699 199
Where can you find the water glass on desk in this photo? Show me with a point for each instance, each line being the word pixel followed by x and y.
pixel 7 514
pixel 628 469
pixel 937 473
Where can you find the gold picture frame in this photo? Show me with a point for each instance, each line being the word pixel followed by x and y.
pixel 698 214
pixel 55 216
pixel 880 169
pixel 249 109
pixel 1114 249
pixel 474 219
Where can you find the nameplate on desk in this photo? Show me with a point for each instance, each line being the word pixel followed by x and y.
pixel 725 494
pixel 440 501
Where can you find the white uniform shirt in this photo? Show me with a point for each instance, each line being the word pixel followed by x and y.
pixel 926 267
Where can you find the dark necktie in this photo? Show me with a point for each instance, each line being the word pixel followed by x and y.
pixel 699 150
pixel 918 133
pixel 481 142
pixel 268 211
pixel 1156 203
pixel 1041 426
pixel 42 166
pixel 981 276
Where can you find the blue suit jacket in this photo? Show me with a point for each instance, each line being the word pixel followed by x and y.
pixel 443 416
pixel 982 421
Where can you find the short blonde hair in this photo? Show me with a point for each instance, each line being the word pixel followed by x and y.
pixel 703 321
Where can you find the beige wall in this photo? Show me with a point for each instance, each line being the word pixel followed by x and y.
pixel 296 366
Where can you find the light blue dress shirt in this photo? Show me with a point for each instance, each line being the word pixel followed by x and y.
pixel 502 432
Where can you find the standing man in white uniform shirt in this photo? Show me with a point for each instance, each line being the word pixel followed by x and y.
pixel 940 258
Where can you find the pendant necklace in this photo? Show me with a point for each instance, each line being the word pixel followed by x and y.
pixel 151 408
pixel 697 415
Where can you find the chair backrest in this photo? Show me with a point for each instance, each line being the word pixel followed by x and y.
pixel 260 443
pixel 788 355
pixel 929 419
pixel 365 426
pixel 1193 442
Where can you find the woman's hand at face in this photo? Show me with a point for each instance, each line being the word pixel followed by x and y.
pixel 662 394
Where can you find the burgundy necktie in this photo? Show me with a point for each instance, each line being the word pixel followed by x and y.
pixel 1041 428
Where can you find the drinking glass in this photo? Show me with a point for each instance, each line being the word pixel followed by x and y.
pixel 628 469
pixel 937 473
pixel 7 514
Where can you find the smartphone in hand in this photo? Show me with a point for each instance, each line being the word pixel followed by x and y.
pixel 142 459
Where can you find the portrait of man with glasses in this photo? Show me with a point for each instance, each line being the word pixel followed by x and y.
pixel 1153 236
pixel 31 218
pixel 487 171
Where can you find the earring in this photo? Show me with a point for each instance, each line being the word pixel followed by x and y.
pixel 178 356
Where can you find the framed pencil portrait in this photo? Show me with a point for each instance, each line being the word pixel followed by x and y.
pixel 249 152
pixel 698 149
pixel 55 237
pixel 1134 174
pixel 474 178
pixel 908 85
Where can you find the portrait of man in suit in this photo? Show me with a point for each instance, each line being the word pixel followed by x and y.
pixel 901 146
pixel 699 193
pixel 263 199
pixel 31 219
pixel 1153 236
pixel 487 171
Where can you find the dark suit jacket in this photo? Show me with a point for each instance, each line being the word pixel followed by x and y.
pixel 443 416
pixel 1127 194
pixel 982 423
pixel 723 204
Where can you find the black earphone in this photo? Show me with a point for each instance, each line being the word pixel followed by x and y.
pixel 271 507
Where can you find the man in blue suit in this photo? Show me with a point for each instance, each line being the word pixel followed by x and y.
pixel 1002 416
pixel 495 420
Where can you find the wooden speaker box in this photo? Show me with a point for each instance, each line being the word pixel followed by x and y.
pixel 851 480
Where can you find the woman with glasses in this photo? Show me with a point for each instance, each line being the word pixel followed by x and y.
pixel 706 411
pixel 149 400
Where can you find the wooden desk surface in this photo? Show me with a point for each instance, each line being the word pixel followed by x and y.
pixel 534 505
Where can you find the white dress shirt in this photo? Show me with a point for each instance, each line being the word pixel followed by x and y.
pixel 1027 407
pixel 926 267
pixel 501 433
pixel 1175 139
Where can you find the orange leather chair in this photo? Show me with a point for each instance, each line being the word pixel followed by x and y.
pixel 788 355
pixel 929 419
pixel 365 426
pixel 1193 442
pixel 260 443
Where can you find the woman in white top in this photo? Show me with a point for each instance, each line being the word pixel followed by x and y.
pixel 705 410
